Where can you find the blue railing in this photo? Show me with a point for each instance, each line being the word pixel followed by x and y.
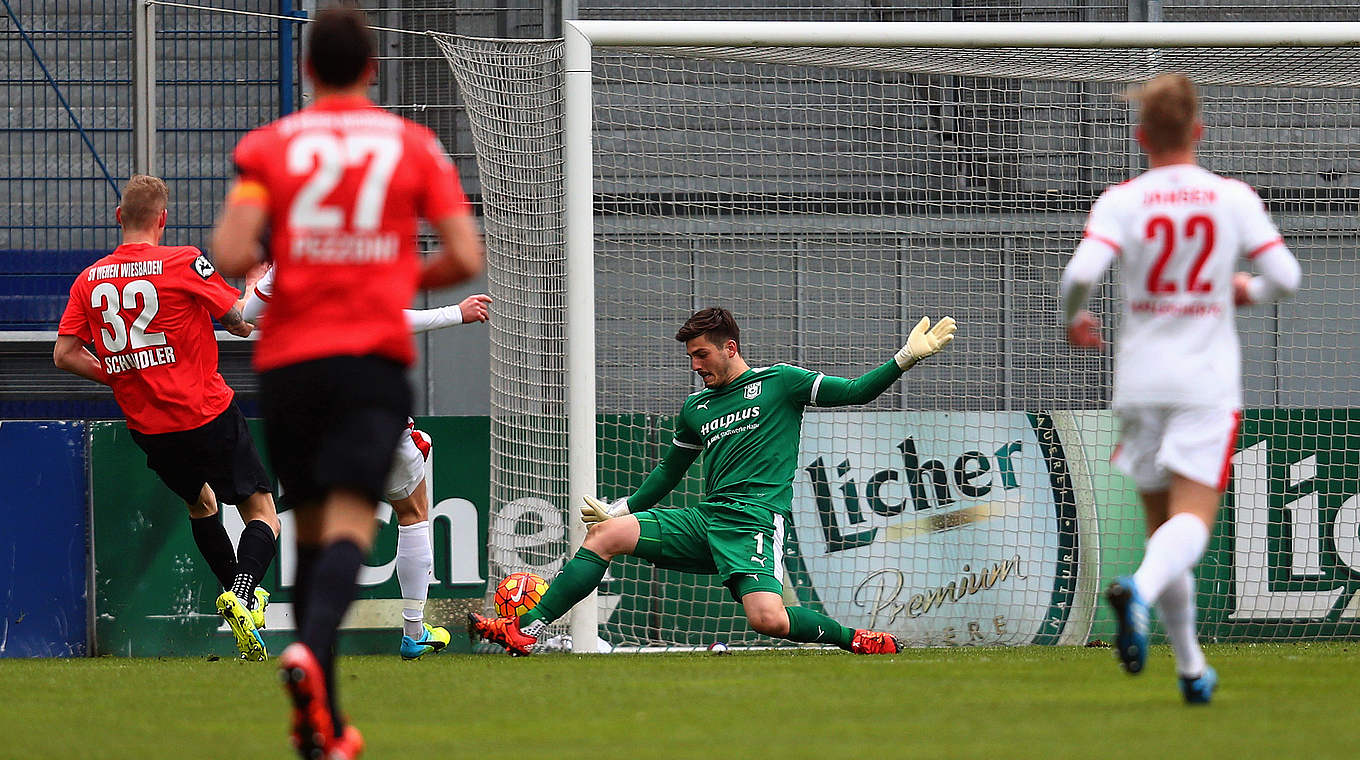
pixel 67 74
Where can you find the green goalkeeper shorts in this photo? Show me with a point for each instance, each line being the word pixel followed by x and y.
pixel 743 545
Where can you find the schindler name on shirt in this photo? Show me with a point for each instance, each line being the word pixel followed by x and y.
pixel 126 269
pixel 150 357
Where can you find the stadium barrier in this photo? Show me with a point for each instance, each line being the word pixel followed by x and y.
pixel 154 594
pixel 900 533
pixel 43 571
pixel 915 530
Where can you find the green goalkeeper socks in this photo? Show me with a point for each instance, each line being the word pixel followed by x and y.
pixel 808 626
pixel 578 578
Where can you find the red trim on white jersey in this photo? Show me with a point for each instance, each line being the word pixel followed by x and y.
pixel 1232 449
pixel 422 442
pixel 1260 249
pixel 1105 240
pixel 261 295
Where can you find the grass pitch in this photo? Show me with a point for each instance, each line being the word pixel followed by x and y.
pixel 1275 701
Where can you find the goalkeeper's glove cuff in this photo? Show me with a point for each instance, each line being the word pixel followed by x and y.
pixel 904 359
pixel 597 511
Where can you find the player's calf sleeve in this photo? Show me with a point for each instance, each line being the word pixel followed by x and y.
pixel 332 587
pixel 254 552
pixel 809 626
pixel 577 579
pixel 1176 608
pixel 1172 549
pixel 415 568
pixel 215 546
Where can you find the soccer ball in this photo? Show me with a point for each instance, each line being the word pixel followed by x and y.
pixel 519 593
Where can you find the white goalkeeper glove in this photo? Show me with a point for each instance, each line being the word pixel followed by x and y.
pixel 596 511
pixel 925 341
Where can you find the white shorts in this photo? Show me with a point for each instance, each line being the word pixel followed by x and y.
pixel 408 463
pixel 1196 442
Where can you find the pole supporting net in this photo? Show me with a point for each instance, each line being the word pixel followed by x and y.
pixel 831 197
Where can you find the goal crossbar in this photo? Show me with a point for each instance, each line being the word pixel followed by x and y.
pixel 980 34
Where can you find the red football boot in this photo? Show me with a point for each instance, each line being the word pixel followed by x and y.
pixel 504 631
pixel 313 726
pixel 349 746
pixel 874 642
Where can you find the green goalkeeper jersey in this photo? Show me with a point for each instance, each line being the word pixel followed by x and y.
pixel 748 432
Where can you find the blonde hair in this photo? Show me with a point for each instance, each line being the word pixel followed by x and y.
pixel 1168 108
pixel 144 198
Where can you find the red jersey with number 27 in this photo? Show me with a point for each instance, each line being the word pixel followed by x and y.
pixel 344 184
pixel 148 310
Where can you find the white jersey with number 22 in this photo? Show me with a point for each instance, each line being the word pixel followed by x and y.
pixel 1179 231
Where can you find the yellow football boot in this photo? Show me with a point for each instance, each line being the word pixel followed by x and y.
pixel 248 640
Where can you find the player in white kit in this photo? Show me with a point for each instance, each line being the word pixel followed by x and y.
pixel 1178 231
pixel 406 490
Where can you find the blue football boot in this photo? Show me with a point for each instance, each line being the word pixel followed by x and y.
pixel 1200 691
pixel 433 640
pixel 1131 612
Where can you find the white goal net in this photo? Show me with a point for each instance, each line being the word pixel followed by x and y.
pixel 830 196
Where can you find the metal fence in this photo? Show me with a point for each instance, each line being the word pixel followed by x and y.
pixel 217 76
pixel 77 77
pixel 67 135
pixel 72 96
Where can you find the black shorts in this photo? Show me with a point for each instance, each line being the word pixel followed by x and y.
pixel 220 453
pixel 334 423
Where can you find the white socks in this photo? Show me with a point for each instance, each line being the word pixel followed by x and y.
pixel 415 570
pixel 1171 551
pixel 1176 608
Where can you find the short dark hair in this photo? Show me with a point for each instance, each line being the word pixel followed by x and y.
pixel 716 323
pixel 339 45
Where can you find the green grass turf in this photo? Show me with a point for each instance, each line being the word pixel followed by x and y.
pixel 1276 701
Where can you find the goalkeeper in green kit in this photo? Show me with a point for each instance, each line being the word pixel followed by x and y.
pixel 747 422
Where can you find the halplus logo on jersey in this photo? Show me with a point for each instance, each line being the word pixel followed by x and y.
pixel 753 390
pixel 901 522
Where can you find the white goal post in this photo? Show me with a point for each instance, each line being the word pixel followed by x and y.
pixel 1275 584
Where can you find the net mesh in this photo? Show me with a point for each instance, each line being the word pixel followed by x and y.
pixel 830 197
pixel 516 116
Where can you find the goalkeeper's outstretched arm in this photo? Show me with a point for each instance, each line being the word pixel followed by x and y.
pixel 924 341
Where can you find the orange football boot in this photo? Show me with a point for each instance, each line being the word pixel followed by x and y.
pixel 313 725
pixel 874 642
pixel 349 746
pixel 504 631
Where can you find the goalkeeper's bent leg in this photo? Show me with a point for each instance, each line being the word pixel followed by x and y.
pixel 808 626
pixel 578 578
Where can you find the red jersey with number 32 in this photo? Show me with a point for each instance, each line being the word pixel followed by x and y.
pixel 1179 231
pixel 345 184
pixel 148 309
